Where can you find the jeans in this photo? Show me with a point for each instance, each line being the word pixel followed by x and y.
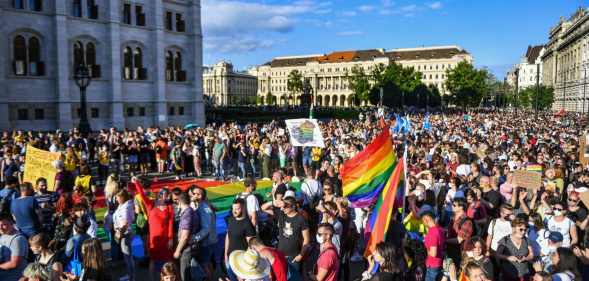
pixel 253 164
pixel 185 264
pixel 128 256
pixel 241 166
pixel 230 274
pixel 433 274
pixel 296 265
pixel 219 169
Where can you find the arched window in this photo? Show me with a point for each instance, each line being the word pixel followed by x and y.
pixel 169 66
pixel 342 101
pixel 34 56
pixel 327 100
pixel 78 54
pixel 334 101
pixel 177 64
pixel 138 64
pixel 90 54
pixel 20 55
pixel 128 63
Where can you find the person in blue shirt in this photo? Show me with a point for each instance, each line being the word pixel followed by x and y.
pixel 26 212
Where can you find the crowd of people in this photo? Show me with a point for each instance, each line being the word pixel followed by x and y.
pixel 464 214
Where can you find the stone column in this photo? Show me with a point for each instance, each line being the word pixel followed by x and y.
pixel 62 73
pixel 114 73
pixel 159 62
pixel 198 110
pixel 4 66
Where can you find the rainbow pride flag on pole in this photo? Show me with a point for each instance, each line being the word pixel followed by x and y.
pixel 375 177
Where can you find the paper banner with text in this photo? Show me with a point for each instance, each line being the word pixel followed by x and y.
pixel 305 132
pixel 39 163
pixel 584 196
pixel 527 179
pixel 584 149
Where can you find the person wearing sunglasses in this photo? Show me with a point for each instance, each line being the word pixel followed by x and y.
pixel 561 223
pixel 515 252
pixel 577 212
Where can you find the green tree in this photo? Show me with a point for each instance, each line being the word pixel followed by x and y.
pixel 359 84
pixel 527 97
pixel 294 84
pixel 270 99
pixel 396 81
pixel 466 84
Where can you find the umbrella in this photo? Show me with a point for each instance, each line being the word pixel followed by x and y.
pixel 191 126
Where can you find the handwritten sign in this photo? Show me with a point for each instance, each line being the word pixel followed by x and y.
pixel 584 149
pixel 584 196
pixel 39 163
pixel 527 179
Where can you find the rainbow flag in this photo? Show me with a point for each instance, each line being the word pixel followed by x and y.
pixel 534 168
pixel 364 176
pixel 375 177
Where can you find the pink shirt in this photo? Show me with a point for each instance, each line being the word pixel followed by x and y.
pixel 435 238
pixel 329 260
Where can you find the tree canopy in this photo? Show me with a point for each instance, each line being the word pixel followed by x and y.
pixel 466 84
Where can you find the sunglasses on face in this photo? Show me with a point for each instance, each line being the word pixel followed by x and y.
pixel 522 229
pixel 557 209
pixel 573 200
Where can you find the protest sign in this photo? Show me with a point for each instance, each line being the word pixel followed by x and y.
pixel 584 149
pixel 527 179
pixel 584 196
pixel 305 132
pixel 39 163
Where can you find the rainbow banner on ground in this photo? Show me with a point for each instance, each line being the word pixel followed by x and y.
pixel 221 194
pixel 374 177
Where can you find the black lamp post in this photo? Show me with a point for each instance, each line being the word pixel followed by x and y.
pixel 83 78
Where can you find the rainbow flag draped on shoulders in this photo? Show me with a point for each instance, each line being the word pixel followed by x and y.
pixel 375 177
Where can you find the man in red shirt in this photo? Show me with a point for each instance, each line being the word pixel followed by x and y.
pixel 328 261
pixel 435 244
pixel 276 258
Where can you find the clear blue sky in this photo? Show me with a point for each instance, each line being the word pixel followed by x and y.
pixel 495 32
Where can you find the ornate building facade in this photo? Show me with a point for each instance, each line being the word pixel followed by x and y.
pixel 145 58
pixel 327 73
pixel 224 86
pixel 565 62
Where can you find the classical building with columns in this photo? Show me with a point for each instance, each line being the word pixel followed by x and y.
pixel 565 62
pixel 145 58
pixel 327 72
pixel 224 86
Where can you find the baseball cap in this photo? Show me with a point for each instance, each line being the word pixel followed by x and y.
pixel 289 193
pixel 555 237
pixel 426 210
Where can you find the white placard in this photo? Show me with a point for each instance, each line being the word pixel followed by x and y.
pixel 305 132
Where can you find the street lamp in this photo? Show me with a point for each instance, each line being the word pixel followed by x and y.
pixel 83 78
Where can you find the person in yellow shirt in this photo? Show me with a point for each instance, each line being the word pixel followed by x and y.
pixel 103 162
pixel 84 181
pixel 71 160
pixel 316 154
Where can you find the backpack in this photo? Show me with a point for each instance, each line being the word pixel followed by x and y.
pixel 476 229
pixel 6 201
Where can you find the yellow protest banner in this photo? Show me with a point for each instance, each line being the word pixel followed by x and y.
pixel 39 163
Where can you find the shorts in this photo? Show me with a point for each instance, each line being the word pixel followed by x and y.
pixel 306 161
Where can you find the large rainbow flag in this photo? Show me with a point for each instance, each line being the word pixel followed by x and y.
pixel 374 177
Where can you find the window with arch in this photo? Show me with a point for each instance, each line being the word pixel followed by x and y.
pixel 85 53
pixel 174 70
pixel 26 52
pixel 133 64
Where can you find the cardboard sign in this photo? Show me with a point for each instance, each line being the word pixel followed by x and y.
pixel 39 163
pixel 584 149
pixel 527 179
pixel 584 196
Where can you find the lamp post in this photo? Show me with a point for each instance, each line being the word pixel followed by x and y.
pixel 584 86
pixel 537 90
pixel 83 78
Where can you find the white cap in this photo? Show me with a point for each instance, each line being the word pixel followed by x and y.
pixel 289 193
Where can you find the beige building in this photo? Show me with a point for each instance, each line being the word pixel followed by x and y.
pixel 565 62
pixel 224 86
pixel 327 73
pixel 525 73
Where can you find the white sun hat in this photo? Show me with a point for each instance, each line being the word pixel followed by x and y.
pixel 249 265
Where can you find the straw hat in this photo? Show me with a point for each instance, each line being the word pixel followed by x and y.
pixel 249 265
